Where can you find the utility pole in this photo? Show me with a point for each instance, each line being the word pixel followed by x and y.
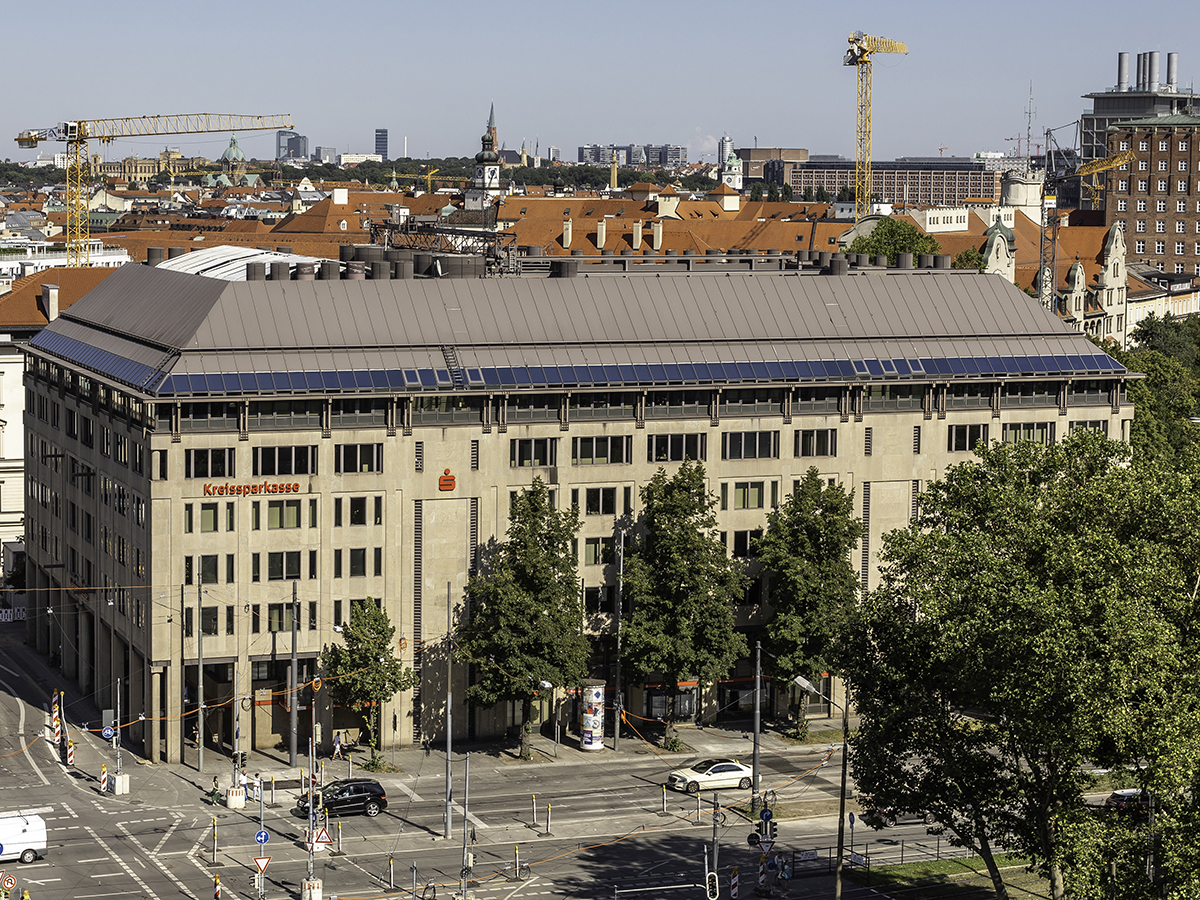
pixel 236 742
pixel 620 600
pixel 837 884
pixel 312 810
pixel 466 820
pixel 757 718
pixel 293 678
pixel 200 671
pixel 716 823
pixel 449 722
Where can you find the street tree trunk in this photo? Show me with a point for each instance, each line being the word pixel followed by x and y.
pixel 526 750
pixel 989 860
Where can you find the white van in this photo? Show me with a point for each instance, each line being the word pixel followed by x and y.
pixel 22 837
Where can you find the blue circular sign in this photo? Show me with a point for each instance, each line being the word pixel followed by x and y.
pixel 107 733
pixel 766 815
pixel 1 848
pixel 851 820
pixel 262 837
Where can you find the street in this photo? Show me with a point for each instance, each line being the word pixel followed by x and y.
pixel 607 827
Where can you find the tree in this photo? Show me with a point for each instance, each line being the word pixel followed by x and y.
pixel 805 554
pixel 773 193
pixel 970 258
pixel 523 626
pixel 363 671
pixel 845 194
pixel 891 237
pixel 1163 402
pixel 1036 618
pixel 1168 336
pixel 785 193
pixel 808 195
pixel 822 195
pixel 682 585
pixel 756 192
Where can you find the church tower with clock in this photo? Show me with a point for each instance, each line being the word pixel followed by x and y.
pixel 485 186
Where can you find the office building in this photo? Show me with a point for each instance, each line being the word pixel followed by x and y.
pixel 290 145
pixel 381 143
pixel 325 155
pixel 241 462
pixel 932 181
pixel 656 156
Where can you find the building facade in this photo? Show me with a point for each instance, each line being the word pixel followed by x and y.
pixel 238 463
pixel 916 182
pixel 1155 198
pixel 381 143
pixel 290 145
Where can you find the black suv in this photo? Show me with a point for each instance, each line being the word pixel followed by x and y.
pixel 349 795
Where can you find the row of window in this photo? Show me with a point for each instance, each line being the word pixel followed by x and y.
pixel 1162 185
pixel 280 617
pixel 1159 206
pixel 1164 145
pixel 283 565
pixel 282 514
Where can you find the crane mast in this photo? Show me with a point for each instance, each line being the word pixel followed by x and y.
pixel 76 135
pixel 862 48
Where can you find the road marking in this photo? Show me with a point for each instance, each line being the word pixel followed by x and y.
pixel 107 875
pixel 21 727
pixel 86 896
pixel 11 672
pixel 471 817
pixel 158 847
pixel 97 859
pixel 179 884
pixel 410 792
pixel 128 871
pixel 43 881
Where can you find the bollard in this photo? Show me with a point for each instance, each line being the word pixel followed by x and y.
pixel 272 790
pixel 104 778
pixel 533 806
pixel 339 835
pixel 517 849
pixel 391 873
pixel 664 793
pixel 214 859
pixel 327 820
pixel 733 884
pixel 216 887
pixel 70 753
pixel 699 813
pixel 349 765
pixel 547 818
pixel 762 871
pixel 322 774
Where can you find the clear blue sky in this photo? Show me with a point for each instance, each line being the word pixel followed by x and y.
pixel 568 73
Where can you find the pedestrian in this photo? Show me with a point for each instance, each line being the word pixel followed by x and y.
pixel 337 745
pixel 257 786
pixel 216 791
pixel 785 875
pixel 243 781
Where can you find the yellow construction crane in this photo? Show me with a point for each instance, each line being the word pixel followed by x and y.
pixel 77 134
pixel 1096 166
pixel 862 48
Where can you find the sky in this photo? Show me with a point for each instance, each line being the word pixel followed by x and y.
pixel 566 73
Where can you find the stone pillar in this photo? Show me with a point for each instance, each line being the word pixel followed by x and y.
pixel 87 670
pixel 137 693
pixel 150 739
pixel 70 651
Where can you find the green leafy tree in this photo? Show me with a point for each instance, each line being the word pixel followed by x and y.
pixel 893 236
pixel 682 586
pixel 822 195
pixel 363 671
pixel 756 192
pixel 1163 403
pixel 524 620
pixel 773 193
pixel 845 194
pixel 785 193
pixel 1036 618
pixel 805 554
pixel 808 195
pixel 970 258
pixel 1168 336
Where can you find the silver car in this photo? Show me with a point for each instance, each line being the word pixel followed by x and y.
pixel 710 774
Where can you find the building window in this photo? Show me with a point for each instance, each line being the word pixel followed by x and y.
pixel 1181 185
pixel 532 452
pixel 745 542
pixel 1181 207
pixel 212 463
pixel 1122 205
pixel 1162 165
pixel 1124 145
pixel 1143 165
pixel 965 437
pixel 868 441
pixel 1162 185
pixel 358 510
pixel 916 439
pixel 283 565
pixel 230 570
pixel 1160 205
pixel 1140 228
pixel 1164 145
pixel 748 495
pixel 750 445
pixel 358 562
pixel 1183 146
pixel 312 615
pixel 189 576
pixel 229 620
pixel 337 612
pixel 1121 224
pixel 208 620
pixel 349 458
pixel 1139 247
pixel 378 562
pixel 337 563
pixel 676 447
pixel 283 514
pixel 255 567
pixel 1179 248
pixel 337 512
pixel 378 510
pixel 279 617
pixel 1038 432
pixel 597 551
pixel 1143 185
pixel 600 451
pixel 255 516
pixel 188 523
pixel 285 460
pixel 1143 145
pixel 1098 425
pixel 1160 247
pixel 312 564
pixel 1181 227
pixel 1141 206
pixel 1160 227
pixel 1178 268
pixel 208 517
pixel 600 501
pixel 816 442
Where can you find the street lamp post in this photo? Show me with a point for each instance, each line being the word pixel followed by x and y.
pixel 803 682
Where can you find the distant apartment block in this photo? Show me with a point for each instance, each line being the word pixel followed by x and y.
pixel 381 141
pixel 325 155
pixel 657 156
pixel 353 159
pixel 554 154
pixel 290 145
pixel 923 181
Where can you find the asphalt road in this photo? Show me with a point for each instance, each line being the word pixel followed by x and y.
pixel 607 829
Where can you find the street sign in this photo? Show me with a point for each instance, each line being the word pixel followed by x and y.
pixel 316 685
pixel 752 838
pixel 9 882
pixel 851 821
pixel 857 859
pixel 765 814
pixel 765 846
pixel 807 856
pixel 261 862
pixel 107 733
pixel 262 837
pixel 322 837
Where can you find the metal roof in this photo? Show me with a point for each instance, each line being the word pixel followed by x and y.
pixel 169 333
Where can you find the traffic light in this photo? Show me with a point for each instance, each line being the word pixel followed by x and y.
pixel 773 829
pixel 761 827
pixel 240 758
pixel 711 887
pixel 254 877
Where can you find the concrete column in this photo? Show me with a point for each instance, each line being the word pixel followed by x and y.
pixel 137 696
pixel 87 671
pixel 173 707
pixel 150 739
pixel 70 652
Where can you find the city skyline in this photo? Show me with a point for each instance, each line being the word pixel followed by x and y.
pixel 944 93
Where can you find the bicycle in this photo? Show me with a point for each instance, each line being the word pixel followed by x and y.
pixel 769 799
pixel 429 892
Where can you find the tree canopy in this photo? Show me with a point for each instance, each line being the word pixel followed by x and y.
pixel 970 258
pixel 523 624
pixel 891 237
pixel 805 554
pixel 363 671
pixel 682 586
pixel 1035 619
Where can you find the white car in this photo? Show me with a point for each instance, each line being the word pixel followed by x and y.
pixel 709 774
